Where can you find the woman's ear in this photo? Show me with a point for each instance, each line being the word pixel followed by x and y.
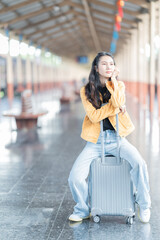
pixel 96 68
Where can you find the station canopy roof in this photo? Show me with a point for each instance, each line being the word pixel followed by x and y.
pixel 70 27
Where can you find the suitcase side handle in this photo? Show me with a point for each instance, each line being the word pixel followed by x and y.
pixel 117 136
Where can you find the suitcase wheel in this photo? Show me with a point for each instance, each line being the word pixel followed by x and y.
pixel 129 220
pixel 96 219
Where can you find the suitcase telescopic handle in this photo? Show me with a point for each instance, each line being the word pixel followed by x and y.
pixel 117 136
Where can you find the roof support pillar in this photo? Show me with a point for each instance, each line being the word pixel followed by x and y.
pixel 28 73
pixel 158 70
pixel 10 84
pixel 152 54
pixel 20 87
pixel 35 77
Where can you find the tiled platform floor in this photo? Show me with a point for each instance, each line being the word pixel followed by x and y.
pixel 35 200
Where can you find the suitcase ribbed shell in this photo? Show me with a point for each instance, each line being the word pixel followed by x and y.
pixel 111 188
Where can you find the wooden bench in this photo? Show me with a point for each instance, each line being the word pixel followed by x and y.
pixel 27 118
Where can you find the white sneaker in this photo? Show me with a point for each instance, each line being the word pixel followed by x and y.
pixel 144 215
pixel 75 218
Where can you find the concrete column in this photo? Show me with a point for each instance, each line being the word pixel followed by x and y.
pixel 20 86
pixel 50 77
pixel 120 64
pixel 53 76
pixel 56 76
pixel 124 64
pixel 45 76
pixel 140 62
pixel 152 56
pixel 133 63
pixel 145 59
pixel 58 83
pixel 158 73
pixel 35 77
pixel 127 64
pixel 28 73
pixel 127 67
pixel 122 68
pixel 41 77
pixel 38 75
pixel 10 84
pixel 47 79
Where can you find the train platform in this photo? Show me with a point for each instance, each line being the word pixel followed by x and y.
pixel 35 200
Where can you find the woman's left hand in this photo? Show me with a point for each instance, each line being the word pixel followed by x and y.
pixel 123 109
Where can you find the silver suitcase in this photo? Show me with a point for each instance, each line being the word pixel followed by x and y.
pixel 111 191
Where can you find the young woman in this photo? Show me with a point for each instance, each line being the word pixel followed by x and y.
pixel 104 87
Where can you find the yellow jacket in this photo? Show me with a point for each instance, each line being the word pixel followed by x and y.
pixel 91 124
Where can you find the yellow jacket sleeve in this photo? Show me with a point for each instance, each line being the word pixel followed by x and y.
pixel 117 91
pixel 96 115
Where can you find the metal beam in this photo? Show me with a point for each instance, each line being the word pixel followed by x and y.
pixel 105 21
pixel 29 15
pixel 42 30
pixel 141 3
pixel 102 13
pixel 91 25
pixel 130 12
pixel 37 24
pixel 16 6
pixel 59 38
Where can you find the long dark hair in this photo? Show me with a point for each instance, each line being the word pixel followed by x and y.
pixel 93 87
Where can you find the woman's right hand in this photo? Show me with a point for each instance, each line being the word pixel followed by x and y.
pixel 123 109
pixel 115 73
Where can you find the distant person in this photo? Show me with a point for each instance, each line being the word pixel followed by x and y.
pixel 104 87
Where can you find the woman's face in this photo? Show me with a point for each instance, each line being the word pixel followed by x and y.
pixel 105 67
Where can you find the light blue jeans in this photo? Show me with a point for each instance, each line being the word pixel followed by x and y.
pixel 78 176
